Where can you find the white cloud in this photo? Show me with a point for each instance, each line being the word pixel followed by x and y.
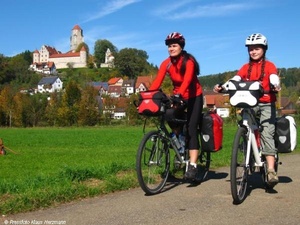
pixel 183 10
pixel 110 7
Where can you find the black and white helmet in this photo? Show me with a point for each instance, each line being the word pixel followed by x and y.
pixel 257 39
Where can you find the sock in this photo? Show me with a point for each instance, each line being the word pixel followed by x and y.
pixel 194 164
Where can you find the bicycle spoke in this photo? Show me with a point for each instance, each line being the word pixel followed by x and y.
pixel 152 163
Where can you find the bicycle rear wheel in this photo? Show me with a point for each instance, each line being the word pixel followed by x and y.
pixel 153 162
pixel 203 165
pixel 238 167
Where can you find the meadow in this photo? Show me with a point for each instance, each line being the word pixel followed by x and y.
pixel 44 167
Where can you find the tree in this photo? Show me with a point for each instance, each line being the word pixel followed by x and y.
pixel 88 108
pixel 35 109
pixel 131 111
pixel 53 105
pixel 6 98
pixel 20 115
pixel 68 111
pixel 100 49
pixel 132 62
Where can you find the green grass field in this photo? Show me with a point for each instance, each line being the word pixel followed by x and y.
pixel 48 166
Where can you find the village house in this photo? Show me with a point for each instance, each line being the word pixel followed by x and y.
pixel 50 84
pixel 44 67
pixel 143 83
pixel 128 87
pixel 101 87
pixel 115 87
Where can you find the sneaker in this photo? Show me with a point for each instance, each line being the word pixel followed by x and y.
pixel 272 178
pixel 191 172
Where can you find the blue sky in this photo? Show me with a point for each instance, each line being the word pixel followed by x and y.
pixel 215 30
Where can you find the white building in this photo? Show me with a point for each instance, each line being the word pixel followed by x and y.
pixel 50 84
pixel 64 60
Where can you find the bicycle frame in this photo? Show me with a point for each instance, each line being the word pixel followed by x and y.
pixel 249 121
pixel 166 134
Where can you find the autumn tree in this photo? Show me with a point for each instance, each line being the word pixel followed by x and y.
pixel 35 109
pixel 6 98
pixel 68 111
pixel 20 116
pixel 89 107
pixel 51 113
pixel 132 115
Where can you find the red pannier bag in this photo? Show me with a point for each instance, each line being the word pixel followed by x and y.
pixel 211 132
pixel 150 103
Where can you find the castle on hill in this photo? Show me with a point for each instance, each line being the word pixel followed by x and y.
pixel 48 59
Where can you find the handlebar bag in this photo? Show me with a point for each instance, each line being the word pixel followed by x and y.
pixel 244 94
pixel 150 103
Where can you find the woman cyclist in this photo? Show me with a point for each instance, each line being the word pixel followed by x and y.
pixel 259 68
pixel 183 69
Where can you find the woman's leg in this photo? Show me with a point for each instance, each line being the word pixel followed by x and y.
pixel 194 113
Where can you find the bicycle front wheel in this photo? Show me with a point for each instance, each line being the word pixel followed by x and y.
pixel 153 162
pixel 238 167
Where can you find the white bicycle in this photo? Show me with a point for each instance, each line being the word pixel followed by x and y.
pixel 246 151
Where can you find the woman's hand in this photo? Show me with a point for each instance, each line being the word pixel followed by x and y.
pixel 217 88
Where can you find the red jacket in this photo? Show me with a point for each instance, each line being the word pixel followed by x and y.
pixel 269 69
pixel 187 85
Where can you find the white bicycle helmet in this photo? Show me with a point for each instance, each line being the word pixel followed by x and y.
pixel 257 39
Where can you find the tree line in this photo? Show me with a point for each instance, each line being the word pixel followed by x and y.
pixel 79 104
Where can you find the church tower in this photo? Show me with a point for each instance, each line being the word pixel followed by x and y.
pixel 76 38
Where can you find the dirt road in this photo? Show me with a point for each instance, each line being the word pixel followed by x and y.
pixel 208 203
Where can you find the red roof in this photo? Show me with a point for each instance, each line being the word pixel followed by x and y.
pixel 146 80
pixel 216 100
pixel 51 50
pixel 76 27
pixel 68 54
pixel 113 80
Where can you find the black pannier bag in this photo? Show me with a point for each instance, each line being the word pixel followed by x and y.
pixel 150 103
pixel 285 134
pixel 244 94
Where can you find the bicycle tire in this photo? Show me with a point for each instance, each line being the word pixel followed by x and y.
pixel 153 162
pixel 238 168
pixel 203 165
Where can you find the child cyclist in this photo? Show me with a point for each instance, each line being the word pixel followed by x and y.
pixel 259 68
pixel 183 69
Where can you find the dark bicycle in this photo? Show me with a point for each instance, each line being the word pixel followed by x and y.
pixel 153 160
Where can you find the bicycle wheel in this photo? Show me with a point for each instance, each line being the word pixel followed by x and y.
pixel 238 168
pixel 203 165
pixel 153 162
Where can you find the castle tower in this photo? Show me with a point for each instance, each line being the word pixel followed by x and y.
pixel 36 56
pixel 76 38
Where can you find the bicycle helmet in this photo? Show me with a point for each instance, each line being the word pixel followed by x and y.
pixel 175 37
pixel 257 39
